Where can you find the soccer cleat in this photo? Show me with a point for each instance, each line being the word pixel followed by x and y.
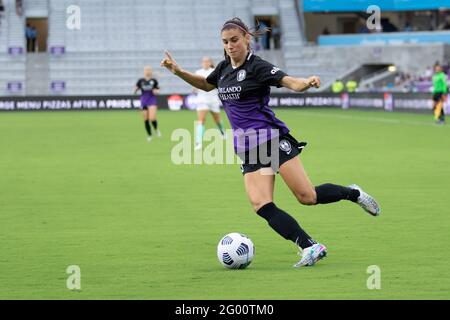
pixel 367 202
pixel 158 133
pixel 311 255
pixel 149 138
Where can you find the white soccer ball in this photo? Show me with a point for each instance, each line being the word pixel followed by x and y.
pixel 235 251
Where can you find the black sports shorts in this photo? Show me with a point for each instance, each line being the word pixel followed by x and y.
pixel 437 97
pixel 287 147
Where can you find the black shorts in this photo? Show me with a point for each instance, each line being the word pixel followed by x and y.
pixel 285 148
pixel 437 97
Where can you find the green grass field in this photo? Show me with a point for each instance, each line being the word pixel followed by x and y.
pixel 86 189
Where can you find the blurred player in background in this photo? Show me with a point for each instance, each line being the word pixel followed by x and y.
pixel 440 91
pixel 206 101
pixel 243 81
pixel 149 88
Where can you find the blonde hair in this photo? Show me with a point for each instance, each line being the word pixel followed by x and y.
pixel 211 62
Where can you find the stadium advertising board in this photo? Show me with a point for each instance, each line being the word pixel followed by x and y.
pixel 387 101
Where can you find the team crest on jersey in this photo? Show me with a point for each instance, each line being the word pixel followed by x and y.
pixel 241 75
pixel 285 146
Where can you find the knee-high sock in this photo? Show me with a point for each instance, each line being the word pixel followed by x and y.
pixel 155 124
pixel 328 193
pixel 147 127
pixel 285 225
pixel 199 134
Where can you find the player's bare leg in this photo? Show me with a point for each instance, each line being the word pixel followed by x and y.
pixel 297 180
pixel 259 189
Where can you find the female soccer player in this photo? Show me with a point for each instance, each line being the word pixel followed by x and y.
pixel 243 81
pixel 149 88
pixel 206 101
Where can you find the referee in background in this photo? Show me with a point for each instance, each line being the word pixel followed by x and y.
pixel 440 90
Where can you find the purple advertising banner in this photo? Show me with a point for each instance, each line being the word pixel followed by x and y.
pixel 15 51
pixel 58 86
pixel 190 101
pixel 14 86
pixel 388 102
pixel 57 50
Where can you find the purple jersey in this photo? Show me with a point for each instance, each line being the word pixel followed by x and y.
pixel 146 87
pixel 244 92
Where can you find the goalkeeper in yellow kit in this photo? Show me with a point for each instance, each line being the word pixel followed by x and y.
pixel 440 90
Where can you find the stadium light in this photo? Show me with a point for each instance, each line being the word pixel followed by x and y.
pixel 392 68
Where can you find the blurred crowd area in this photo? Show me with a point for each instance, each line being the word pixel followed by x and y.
pixel 356 22
pixel 408 82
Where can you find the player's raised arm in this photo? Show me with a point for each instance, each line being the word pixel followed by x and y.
pixel 300 84
pixel 193 79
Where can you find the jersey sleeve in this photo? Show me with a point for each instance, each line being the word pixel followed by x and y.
pixel 156 85
pixel 268 74
pixel 138 84
pixel 213 77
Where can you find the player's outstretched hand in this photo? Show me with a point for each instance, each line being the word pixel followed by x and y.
pixel 314 81
pixel 170 63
